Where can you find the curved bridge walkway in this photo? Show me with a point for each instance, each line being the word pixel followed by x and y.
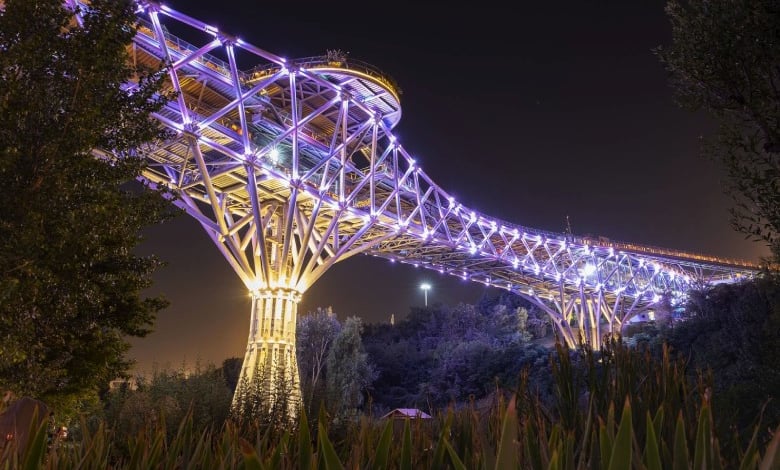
pixel 291 166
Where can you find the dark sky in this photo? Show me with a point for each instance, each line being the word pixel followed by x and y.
pixel 530 114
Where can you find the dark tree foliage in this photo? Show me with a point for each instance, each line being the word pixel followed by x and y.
pixel 350 373
pixel 402 364
pixel 231 370
pixel 167 397
pixel 257 404
pixel 315 333
pixel 440 355
pixel 70 285
pixel 725 59
pixel 734 330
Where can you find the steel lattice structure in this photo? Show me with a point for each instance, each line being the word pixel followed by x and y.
pixel 292 166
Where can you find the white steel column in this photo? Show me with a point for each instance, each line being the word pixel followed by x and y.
pixel 270 353
pixel 578 316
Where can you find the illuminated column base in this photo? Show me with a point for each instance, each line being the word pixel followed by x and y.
pixel 594 323
pixel 589 323
pixel 576 334
pixel 269 385
pixel 584 319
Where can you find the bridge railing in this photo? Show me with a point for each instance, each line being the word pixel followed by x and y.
pixel 660 251
pixel 603 242
pixel 331 61
pixel 185 48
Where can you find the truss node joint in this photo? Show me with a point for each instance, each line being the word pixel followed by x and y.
pixel 227 39
pixel 190 129
pixel 149 5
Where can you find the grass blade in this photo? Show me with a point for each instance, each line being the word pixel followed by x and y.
pixel 652 452
pixel 702 454
pixel 507 450
pixel 771 460
pixel 680 458
pixel 251 461
pixel 658 421
pixel 621 450
pixel 438 454
pixel 383 449
pixel 457 463
pixel 280 449
pixel 406 448
pixel 555 464
pixel 532 453
pixel 304 442
pixel 605 446
pixel 329 454
pixel 36 449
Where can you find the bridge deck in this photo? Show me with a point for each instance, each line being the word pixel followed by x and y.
pixel 317 133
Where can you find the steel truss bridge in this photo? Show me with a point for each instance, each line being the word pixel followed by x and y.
pixel 291 166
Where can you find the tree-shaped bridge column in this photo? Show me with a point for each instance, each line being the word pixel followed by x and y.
pixel 587 317
pixel 269 374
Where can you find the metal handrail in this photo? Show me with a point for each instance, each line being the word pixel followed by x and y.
pixel 328 61
pixel 182 46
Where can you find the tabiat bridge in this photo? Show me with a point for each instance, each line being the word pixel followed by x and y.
pixel 291 166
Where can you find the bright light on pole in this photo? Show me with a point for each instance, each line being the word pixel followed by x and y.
pixel 425 287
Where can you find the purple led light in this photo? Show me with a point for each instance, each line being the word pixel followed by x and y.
pixel 420 203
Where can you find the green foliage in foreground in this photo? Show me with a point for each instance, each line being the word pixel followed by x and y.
pixel 639 413
pixel 72 288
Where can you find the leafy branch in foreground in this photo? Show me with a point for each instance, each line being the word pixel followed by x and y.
pixel 70 282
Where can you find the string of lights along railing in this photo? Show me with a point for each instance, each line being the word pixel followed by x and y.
pixel 292 165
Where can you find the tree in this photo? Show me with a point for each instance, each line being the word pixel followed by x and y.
pixel 256 403
pixel 167 397
pixel 734 330
pixel 349 371
pixel 441 354
pixel 725 59
pixel 231 371
pixel 70 284
pixel 315 333
pixel 402 364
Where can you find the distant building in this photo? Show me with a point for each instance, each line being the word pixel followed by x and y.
pixel 116 384
pixel 411 413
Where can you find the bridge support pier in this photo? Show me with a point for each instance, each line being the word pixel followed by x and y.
pixel 583 317
pixel 269 384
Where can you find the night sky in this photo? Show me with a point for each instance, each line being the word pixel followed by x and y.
pixel 530 115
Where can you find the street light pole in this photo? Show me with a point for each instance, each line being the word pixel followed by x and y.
pixel 425 287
